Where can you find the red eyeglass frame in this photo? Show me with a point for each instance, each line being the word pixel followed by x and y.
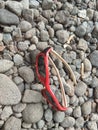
pixel 45 80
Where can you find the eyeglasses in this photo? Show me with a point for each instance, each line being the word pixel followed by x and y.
pixel 42 70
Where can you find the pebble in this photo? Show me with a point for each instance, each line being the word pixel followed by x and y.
pixel 1 123
pixel 94 83
pixel 86 108
pixel 48 115
pixel 58 27
pixel 94 58
pixel 80 31
pixel 19 107
pixel 77 112
pixel 31 96
pixel 27 74
pixel 13 123
pixel 59 116
pixel 30 33
pixel 6 113
pixel 25 26
pixel 33 109
pixel 82 13
pixel 17 80
pixel 96 93
pixel 92 125
pixel 87 65
pixel 1 37
pixel 25 4
pixel 7 38
pixel 44 36
pixel 18 59
pixel 79 122
pixel 62 36
pixel 82 45
pixel 8 18
pixel 68 122
pixel 42 45
pixel 40 124
pixel 9 92
pixel 47 4
pixel 15 7
pixel 34 4
pixel 23 46
pixel 5 65
pixel 80 89
pixel 26 125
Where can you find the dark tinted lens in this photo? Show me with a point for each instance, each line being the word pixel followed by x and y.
pixel 41 66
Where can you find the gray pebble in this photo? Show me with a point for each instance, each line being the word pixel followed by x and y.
pixel 87 65
pixel 18 59
pixel 48 115
pixel 94 83
pixel 86 108
pixel 94 58
pixel 30 33
pixel 34 4
pixel 80 31
pixel 96 93
pixel 59 116
pixel 5 65
pixel 17 80
pixel 25 26
pixel 82 45
pixel 33 109
pixel 79 122
pixel 90 13
pixel 7 38
pixel 1 123
pixel 82 13
pixel 8 18
pixel 44 35
pixel 62 36
pixel 68 122
pixel 47 4
pixel 31 96
pixel 9 92
pixel 92 125
pixel 19 107
pixel 77 112
pixel 15 7
pixel 26 125
pixel 12 123
pixel 80 89
pixel 42 45
pixel 21 87
pixel 58 27
pixel 41 124
pixel 27 74
pixel 23 46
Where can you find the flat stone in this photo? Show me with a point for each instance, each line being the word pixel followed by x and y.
pixel 8 18
pixel 94 58
pixel 5 65
pixel 33 109
pixel 27 74
pixel 31 96
pixel 15 7
pixel 9 92
pixel 13 123
pixel 62 36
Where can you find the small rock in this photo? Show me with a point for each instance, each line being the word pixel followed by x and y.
pixel 94 83
pixel 82 45
pixel 31 96
pixel 19 107
pixel 1 37
pixel 58 27
pixel 47 14
pixel 33 109
pixel 17 80
pixel 29 34
pixel 34 3
pixel 42 45
pixel 41 124
pixel 92 125
pixel 82 13
pixel 27 74
pixel 87 65
pixel 25 4
pixel 5 65
pixel 8 18
pixel 47 4
pixel 86 108
pixel 34 40
pixel 37 87
pixel 41 25
pixel 94 58
pixel 96 93
pixel 9 92
pixel 25 26
pixel 48 115
pixel 6 113
pixel 68 122
pixel 77 112
pixel 59 116
pixel 79 122
pixel 7 38
pixel 23 46
pixel 90 13
pixel 62 36
pixel 80 89
pixel 51 32
pixel 44 35
pixel 28 15
pixel 1 123
pixel 17 35
pixel 60 19
pixel 80 31
pixel 13 123
pixel 18 59
pixel 26 125
pixel 15 7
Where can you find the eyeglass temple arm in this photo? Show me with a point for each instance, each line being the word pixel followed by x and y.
pixel 64 101
pixel 67 66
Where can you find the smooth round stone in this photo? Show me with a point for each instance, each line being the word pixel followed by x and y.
pixel 59 116
pixel 79 122
pixel 44 35
pixel 5 65
pixel 18 59
pixel 33 109
pixel 77 112
pixel 9 92
pixel 48 115
pixel 94 58
pixel 41 124
pixel 19 107
pixel 80 31
pixel 86 108
pixel 23 46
